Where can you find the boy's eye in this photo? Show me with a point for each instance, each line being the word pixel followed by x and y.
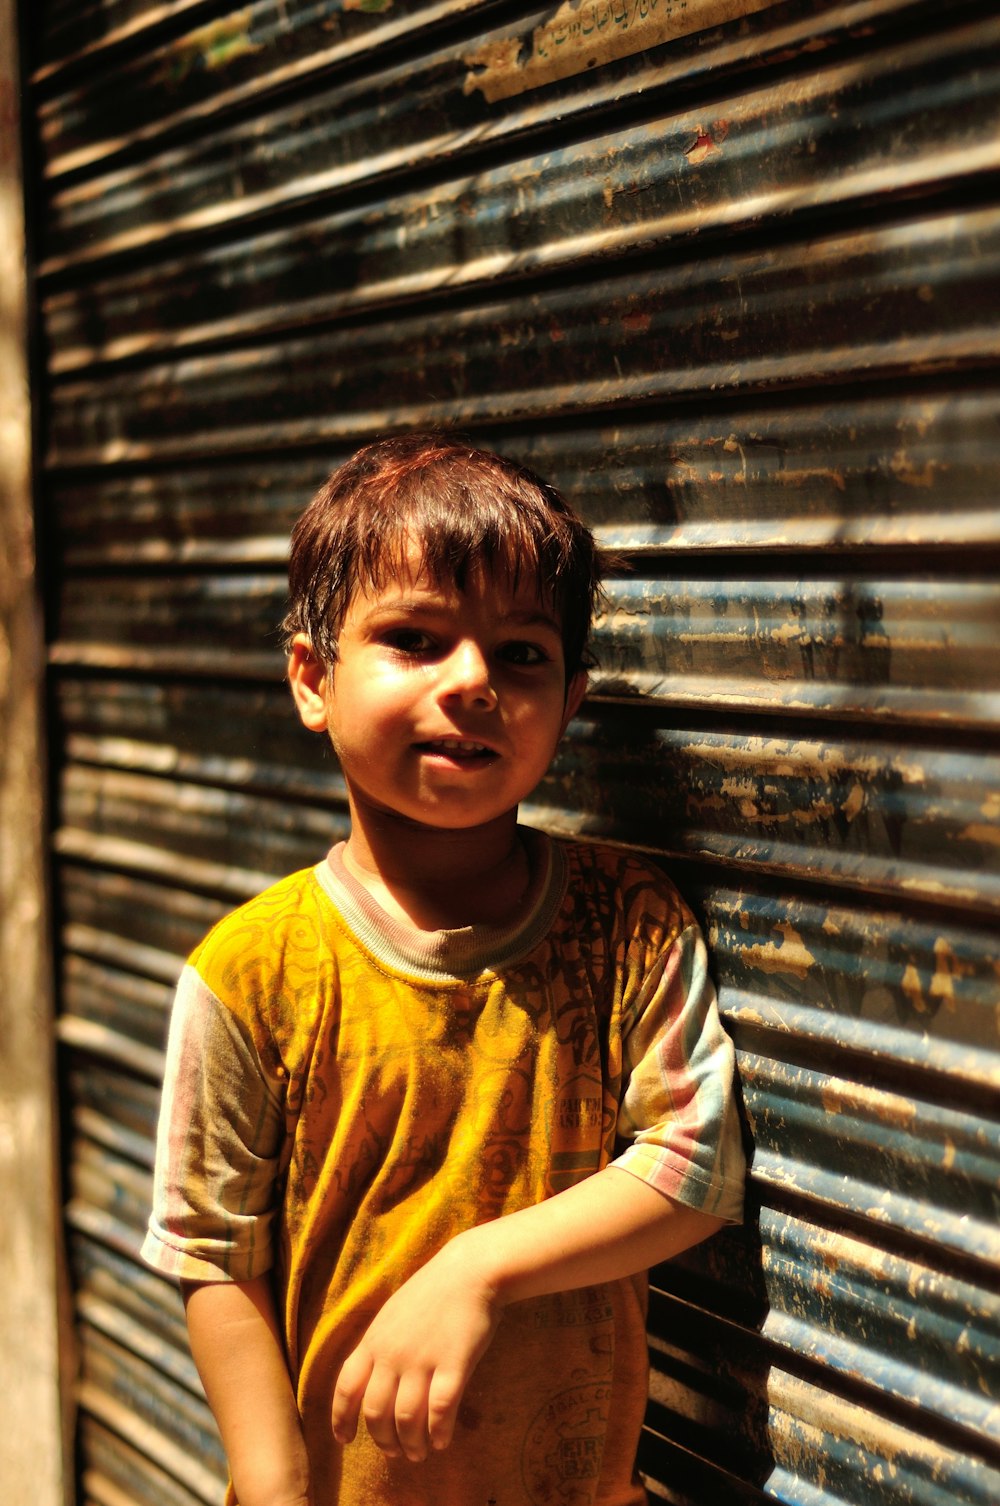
pixel 523 654
pixel 409 641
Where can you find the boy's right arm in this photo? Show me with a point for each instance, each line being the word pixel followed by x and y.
pixel 239 1354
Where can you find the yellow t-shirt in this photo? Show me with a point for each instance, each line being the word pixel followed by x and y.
pixel 345 1094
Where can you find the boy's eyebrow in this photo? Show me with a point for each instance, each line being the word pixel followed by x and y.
pixel 522 617
pixel 412 606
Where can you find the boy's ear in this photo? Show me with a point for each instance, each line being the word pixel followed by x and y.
pixel 307 678
pixel 575 692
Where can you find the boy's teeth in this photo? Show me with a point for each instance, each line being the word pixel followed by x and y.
pixel 456 745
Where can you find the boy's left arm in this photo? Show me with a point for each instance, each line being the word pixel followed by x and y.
pixel 408 1374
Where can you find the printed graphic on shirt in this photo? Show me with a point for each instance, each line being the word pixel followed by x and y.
pixel 561 1461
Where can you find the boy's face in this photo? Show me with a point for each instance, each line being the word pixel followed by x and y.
pixel 445 706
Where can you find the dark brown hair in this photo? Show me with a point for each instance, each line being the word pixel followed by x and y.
pixel 469 509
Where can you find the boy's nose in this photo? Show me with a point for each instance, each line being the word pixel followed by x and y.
pixel 467 675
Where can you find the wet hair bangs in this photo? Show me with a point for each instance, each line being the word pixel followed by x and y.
pixel 467 510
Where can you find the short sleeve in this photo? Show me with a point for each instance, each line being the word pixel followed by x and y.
pixel 219 1141
pixel 678 1116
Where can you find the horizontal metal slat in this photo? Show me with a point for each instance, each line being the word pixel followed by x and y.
pixel 855 472
pixel 114 1106
pixel 922 294
pixel 828 1450
pixel 157 1417
pixel 236 881
pixel 115 1189
pixel 913 822
pixel 67 30
pixel 121 1004
pixel 895 1324
pixel 864 991
pixel 887 1157
pixel 112 1318
pixel 221 62
pixel 889 121
pixel 236 514
pixel 193 834
pixel 328 140
pixel 141 925
pixel 433 110
pixel 102 1274
pixel 171 730
pixel 114 1473
pixel 727 1424
pixel 236 610
pixel 915 649
pixel 86 942
pixel 89 1218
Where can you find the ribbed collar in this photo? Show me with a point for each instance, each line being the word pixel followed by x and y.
pixel 462 953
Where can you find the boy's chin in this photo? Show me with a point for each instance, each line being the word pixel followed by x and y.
pixel 435 822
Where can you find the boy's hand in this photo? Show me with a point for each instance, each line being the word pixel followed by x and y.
pixel 409 1373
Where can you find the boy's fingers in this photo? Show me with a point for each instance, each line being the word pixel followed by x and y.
pixel 379 1408
pixel 350 1388
pixel 443 1400
pixel 411 1414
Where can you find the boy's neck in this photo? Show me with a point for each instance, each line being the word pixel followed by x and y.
pixel 438 879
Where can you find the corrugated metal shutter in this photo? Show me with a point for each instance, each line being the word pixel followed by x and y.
pixel 727 272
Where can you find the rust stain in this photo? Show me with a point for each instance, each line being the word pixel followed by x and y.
pixel 801 760
pixel 947 967
pixel 789 955
pixel 913 989
pixel 637 321
pixel 804 476
pixel 702 147
pixel 911 475
pixel 704 144
pixel 854 803
pixel 979 831
pixel 987 830
pixel 839 1096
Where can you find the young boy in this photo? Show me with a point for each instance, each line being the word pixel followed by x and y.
pixel 434 1106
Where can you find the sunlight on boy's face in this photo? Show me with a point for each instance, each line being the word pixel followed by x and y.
pixel 445 706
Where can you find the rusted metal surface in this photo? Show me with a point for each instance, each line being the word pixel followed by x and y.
pixel 369 127
pixel 786 1438
pixel 736 292
pixel 875 989
pixel 918 822
pixel 913 649
pixel 649 184
pixel 219 62
pixel 846 1307
pixel 904 471
pixel 728 323
pixel 67 30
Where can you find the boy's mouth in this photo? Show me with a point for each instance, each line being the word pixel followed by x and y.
pixel 457 747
